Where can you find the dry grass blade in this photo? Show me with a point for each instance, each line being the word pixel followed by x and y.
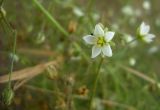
pixel 139 74
pixel 109 103
pixel 116 104
pixel 30 71
pixel 42 90
pixel 36 52
pixel 20 83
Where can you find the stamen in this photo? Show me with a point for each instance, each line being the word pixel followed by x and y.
pixel 101 41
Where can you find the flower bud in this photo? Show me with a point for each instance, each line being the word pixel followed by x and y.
pixel 40 38
pixel 8 95
pixel 72 26
pixel 14 57
pixel 52 72
pixel 2 12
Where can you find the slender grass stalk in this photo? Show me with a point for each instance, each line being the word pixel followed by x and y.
pixel 56 24
pixel 123 49
pixel 96 82
pixel 51 18
pixel 14 33
pixel 8 93
pixel 10 29
pixel 89 10
pixel 12 62
pixel 1 3
pixel 90 5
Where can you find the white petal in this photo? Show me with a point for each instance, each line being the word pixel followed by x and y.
pixel 107 51
pixel 109 35
pixel 98 31
pixel 95 51
pixel 149 38
pixel 89 39
pixel 144 29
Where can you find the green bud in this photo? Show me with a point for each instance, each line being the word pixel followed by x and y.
pixel 2 12
pixel 105 29
pixel 139 37
pixel 51 72
pixel 8 95
pixel 40 38
pixel 138 34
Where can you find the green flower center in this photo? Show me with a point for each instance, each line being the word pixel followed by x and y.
pixel 101 41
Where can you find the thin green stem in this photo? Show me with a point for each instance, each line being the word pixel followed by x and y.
pixel 124 49
pixel 6 22
pixel 14 33
pixel 1 3
pixel 90 5
pixel 131 41
pixel 89 10
pixel 12 62
pixel 58 26
pixel 48 15
pixel 96 82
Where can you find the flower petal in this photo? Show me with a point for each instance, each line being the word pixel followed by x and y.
pixel 98 31
pixel 107 51
pixel 95 51
pixel 89 39
pixel 109 35
pixel 149 38
pixel 144 29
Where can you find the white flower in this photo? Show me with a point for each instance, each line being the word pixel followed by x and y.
pixel 78 12
pixel 13 56
pixel 153 50
pixel 132 61
pixel 128 10
pixel 130 40
pixel 143 33
pixel 97 104
pixel 146 5
pixel 101 41
pixel 96 16
pixel 157 22
pixel 40 38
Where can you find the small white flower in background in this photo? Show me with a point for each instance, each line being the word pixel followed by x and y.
pixel 130 40
pixel 158 85
pixel 153 49
pixel 14 57
pixel 76 58
pixel 157 22
pixel 132 61
pixel 101 40
pixel 78 12
pixel 132 20
pixel 137 12
pixel 143 33
pixel 96 16
pixel 97 104
pixel 146 5
pixel 40 38
pixel 115 26
pixel 128 10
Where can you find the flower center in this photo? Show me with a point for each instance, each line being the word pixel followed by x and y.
pixel 101 41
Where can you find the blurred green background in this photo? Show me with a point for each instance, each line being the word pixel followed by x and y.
pixel 129 80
